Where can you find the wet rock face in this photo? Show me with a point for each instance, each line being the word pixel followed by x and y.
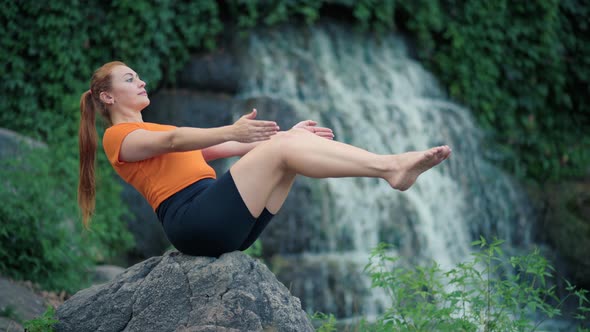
pixel 565 225
pixel 176 292
pixel 216 71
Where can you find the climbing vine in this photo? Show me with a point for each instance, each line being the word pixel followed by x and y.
pixel 522 68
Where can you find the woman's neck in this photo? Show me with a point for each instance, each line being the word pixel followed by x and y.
pixel 122 116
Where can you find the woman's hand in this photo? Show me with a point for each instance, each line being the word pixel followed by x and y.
pixel 311 125
pixel 248 130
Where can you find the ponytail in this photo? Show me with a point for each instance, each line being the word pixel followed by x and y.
pixel 90 103
pixel 87 140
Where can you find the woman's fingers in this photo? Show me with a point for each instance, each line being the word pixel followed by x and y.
pixel 311 126
pixel 268 127
pixel 259 137
pixel 260 123
pixel 322 132
pixel 256 130
pixel 326 135
pixel 305 123
pixel 251 115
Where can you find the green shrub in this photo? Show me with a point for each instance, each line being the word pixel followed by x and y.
pixel 255 249
pixel 490 292
pixel 41 238
pixel 327 322
pixel 43 323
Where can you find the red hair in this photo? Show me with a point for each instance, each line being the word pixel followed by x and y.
pixel 88 138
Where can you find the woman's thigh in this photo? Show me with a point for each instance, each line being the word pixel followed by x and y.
pixel 259 172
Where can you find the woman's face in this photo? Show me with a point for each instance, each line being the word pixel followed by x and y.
pixel 128 90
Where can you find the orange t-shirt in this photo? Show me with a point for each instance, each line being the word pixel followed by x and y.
pixel 159 177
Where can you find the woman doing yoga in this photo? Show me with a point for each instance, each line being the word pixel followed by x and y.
pixel 206 215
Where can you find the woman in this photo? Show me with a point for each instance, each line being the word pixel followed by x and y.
pixel 203 215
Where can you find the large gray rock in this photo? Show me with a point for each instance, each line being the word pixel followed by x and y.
pixel 182 107
pixel 105 273
pixel 176 292
pixel 13 144
pixel 9 325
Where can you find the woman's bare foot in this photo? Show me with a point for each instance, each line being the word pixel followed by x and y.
pixel 408 166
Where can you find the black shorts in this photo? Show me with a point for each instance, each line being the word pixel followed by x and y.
pixel 209 218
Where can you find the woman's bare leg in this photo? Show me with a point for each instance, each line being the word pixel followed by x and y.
pixel 280 193
pixel 261 171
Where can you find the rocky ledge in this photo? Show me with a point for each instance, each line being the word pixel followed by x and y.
pixel 176 292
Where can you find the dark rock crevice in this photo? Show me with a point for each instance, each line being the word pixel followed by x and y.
pixel 190 294
pixel 132 306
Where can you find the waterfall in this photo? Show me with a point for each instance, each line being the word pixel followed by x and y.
pixel 375 96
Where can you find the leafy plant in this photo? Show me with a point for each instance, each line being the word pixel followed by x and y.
pixel 43 323
pixel 328 322
pixel 255 249
pixel 491 292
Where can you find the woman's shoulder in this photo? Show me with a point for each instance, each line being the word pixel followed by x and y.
pixel 126 126
pixel 115 134
pixel 157 126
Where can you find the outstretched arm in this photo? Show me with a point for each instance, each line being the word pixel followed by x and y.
pixel 237 149
pixel 144 144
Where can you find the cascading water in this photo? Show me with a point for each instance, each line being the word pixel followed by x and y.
pixel 374 96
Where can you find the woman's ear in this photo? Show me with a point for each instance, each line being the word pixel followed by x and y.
pixel 107 98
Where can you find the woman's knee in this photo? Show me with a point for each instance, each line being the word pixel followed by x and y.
pixel 286 141
pixel 291 136
pixel 298 131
